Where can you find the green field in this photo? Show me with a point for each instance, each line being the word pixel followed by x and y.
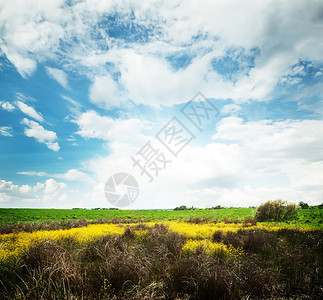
pixel 306 217
pixel 13 215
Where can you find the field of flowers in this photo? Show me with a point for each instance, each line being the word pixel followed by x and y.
pixel 196 259
pixel 14 244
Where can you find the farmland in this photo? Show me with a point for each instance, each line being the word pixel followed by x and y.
pixel 11 215
pixel 306 217
pixel 191 254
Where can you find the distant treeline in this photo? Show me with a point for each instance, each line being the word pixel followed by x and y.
pixel 302 204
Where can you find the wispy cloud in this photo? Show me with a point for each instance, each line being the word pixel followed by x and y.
pixel 59 75
pixel 30 111
pixel 6 130
pixel 74 106
pixel 72 175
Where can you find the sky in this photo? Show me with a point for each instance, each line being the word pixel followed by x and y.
pixel 200 103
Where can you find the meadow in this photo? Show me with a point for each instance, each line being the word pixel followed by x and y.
pixel 306 217
pixel 13 215
pixel 193 254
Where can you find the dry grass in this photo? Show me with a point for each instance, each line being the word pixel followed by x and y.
pixel 275 264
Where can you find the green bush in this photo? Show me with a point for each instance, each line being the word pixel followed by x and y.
pixel 277 210
pixel 303 205
pixel 182 207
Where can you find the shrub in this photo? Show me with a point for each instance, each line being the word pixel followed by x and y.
pixel 303 205
pixel 277 210
pixel 182 207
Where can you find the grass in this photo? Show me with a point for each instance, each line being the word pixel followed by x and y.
pixel 14 215
pixel 164 260
pixel 18 219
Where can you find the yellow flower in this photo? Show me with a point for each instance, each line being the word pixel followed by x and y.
pixel 205 246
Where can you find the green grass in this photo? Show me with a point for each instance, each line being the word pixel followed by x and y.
pixel 311 218
pixel 14 215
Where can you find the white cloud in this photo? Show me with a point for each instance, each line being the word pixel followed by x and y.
pixel 53 190
pixel 25 65
pixel 31 32
pixel 290 80
pixel 124 131
pixel 104 92
pixel 41 135
pixel 4 198
pixel 38 186
pixel 231 109
pixel 286 139
pixel 74 106
pixel 72 174
pixel 146 76
pixel 10 189
pixel 254 155
pixel 30 111
pixel 150 80
pixel 298 70
pixel 7 105
pixel 92 125
pixel 283 33
pixel 40 194
pixel 59 75
pixel 254 162
pixel 5 130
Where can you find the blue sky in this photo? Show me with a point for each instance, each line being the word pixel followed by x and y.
pixel 85 85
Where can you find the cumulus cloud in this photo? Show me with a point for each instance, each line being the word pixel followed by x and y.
pixel 10 189
pixel 58 75
pixel 30 111
pixel 104 92
pixel 40 193
pixel 41 135
pixel 284 139
pixel 6 130
pixel 92 125
pixel 119 132
pixel 246 164
pixel 53 190
pixel 7 106
pixel 31 32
